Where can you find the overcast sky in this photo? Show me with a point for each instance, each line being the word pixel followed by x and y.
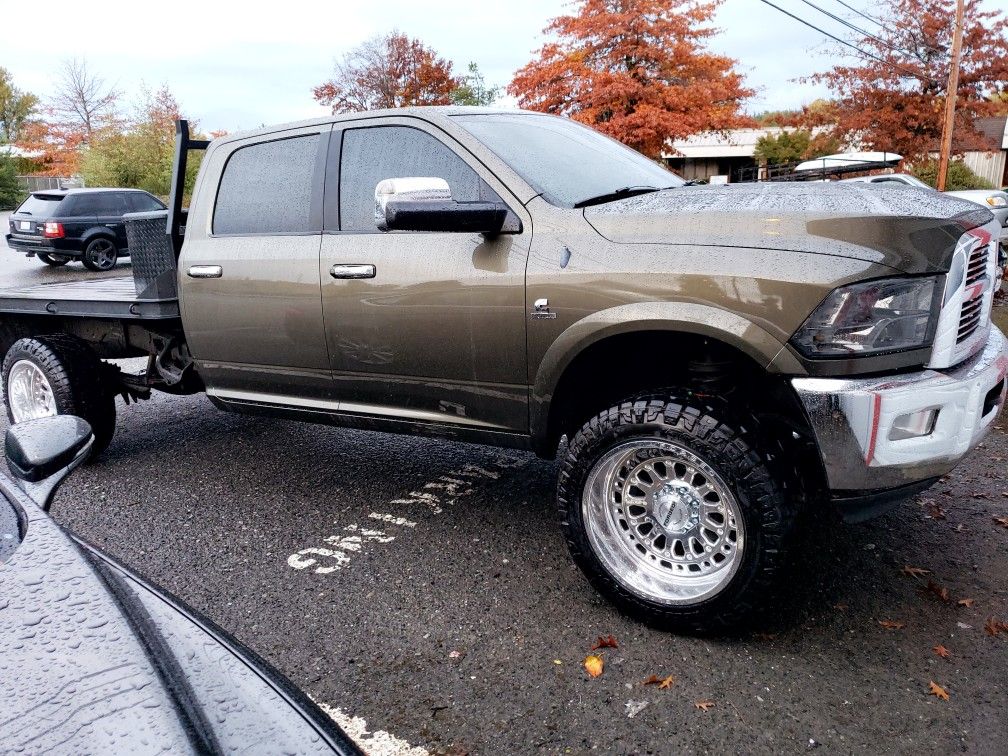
pixel 240 65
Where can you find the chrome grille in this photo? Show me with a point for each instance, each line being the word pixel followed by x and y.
pixel 976 268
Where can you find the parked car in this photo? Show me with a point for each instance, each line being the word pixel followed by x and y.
pixel 61 225
pixel 995 200
pixel 719 358
pixel 94 659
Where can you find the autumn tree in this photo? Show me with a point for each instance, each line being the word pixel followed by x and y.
pixel 83 99
pixel 141 155
pixel 388 72
pixel 637 70
pixel 16 108
pixel 892 95
pixel 56 144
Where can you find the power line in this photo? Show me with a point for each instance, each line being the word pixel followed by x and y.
pixel 857 29
pixel 862 14
pixel 864 53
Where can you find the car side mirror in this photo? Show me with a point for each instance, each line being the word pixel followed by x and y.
pixel 424 203
pixel 41 453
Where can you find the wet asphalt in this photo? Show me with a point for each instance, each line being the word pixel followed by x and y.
pixel 424 586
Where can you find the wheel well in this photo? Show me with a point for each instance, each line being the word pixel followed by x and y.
pixel 627 365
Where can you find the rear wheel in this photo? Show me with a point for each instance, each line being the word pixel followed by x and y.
pixel 672 513
pixel 100 254
pixel 52 259
pixel 58 375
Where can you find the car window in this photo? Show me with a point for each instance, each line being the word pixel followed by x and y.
pixel 141 202
pixel 40 205
pixel 267 188
pixel 96 203
pixel 373 154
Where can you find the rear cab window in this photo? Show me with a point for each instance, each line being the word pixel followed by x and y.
pixel 269 188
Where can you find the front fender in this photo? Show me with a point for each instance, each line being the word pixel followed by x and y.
pixel 680 317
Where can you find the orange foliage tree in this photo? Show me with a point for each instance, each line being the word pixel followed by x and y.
pixel 55 146
pixel 637 70
pixel 389 72
pixel 893 97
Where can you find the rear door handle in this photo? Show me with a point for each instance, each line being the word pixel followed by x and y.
pixel 205 271
pixel 352 271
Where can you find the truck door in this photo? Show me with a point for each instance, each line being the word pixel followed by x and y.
pixel 249 269
pixel 435 333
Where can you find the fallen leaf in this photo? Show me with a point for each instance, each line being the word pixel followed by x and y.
pixel 840 607
pixel 704 705
pixel 766 636
pixel 937 690
pixel 594 665
pixel 967 602
pixel 1002 521
pixel 915 571
pixel 995 627
pixel 605 641
pixel 937 512
pixel 980 495
pixel 942 651
pixel 892 624
pixel 557 661
pixel 938 590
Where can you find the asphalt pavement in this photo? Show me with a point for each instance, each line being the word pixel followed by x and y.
pixel 421 591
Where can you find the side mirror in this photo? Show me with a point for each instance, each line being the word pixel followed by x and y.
pixel 424 203
pixel 41 453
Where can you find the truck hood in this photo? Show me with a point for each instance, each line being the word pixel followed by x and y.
pixel 908 229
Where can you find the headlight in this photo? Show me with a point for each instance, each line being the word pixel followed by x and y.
pixel 873 317
pixel 997 201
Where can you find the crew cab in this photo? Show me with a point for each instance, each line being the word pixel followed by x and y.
pixel 717 358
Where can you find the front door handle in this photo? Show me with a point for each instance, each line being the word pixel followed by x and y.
pixel 205 271
pixel 352 271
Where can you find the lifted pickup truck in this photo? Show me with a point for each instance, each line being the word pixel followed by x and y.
pixel 718 358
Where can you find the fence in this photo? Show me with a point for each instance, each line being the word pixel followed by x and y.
pixel 41 183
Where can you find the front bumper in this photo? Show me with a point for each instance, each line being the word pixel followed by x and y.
pixel 876 434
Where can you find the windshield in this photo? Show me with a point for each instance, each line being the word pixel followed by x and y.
pixel 564 160
pixel 40 205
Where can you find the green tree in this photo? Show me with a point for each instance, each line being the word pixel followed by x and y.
pixel 16 108
pixel 11 192
pixel 785 147
pixel 141 156
pixel 473 89
pixel 959 176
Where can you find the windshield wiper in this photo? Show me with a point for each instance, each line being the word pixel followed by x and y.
pixel 618 194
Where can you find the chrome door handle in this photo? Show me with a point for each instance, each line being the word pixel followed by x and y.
pixel 205 271
pixel 352 271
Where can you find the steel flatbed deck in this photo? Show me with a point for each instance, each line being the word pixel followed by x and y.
pixel 100 298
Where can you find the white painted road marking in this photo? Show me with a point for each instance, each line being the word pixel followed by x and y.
pixel 445 490
pixel 377 743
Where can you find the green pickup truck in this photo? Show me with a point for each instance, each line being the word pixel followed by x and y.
pixel 718 358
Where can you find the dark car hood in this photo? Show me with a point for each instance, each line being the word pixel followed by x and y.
pixel 908 229
pixel 93 659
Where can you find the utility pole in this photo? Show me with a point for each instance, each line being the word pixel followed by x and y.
pixel 950 98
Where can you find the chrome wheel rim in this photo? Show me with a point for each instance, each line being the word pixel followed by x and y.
pixel 662 521
pixel 29 394
pixel 103 254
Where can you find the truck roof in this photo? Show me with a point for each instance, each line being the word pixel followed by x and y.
pixel 428 112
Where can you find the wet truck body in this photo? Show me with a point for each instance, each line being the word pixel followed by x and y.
pixel 717 358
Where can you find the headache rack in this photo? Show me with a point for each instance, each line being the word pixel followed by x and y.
pixel 176 213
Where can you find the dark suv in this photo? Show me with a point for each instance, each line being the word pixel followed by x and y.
pixel 68 224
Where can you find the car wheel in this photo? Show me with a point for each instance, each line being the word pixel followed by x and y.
pixel 54 260
pixel 670 510
pixel 100 254
pixel 58 375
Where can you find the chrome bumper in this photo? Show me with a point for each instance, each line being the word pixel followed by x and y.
pixel 880 433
